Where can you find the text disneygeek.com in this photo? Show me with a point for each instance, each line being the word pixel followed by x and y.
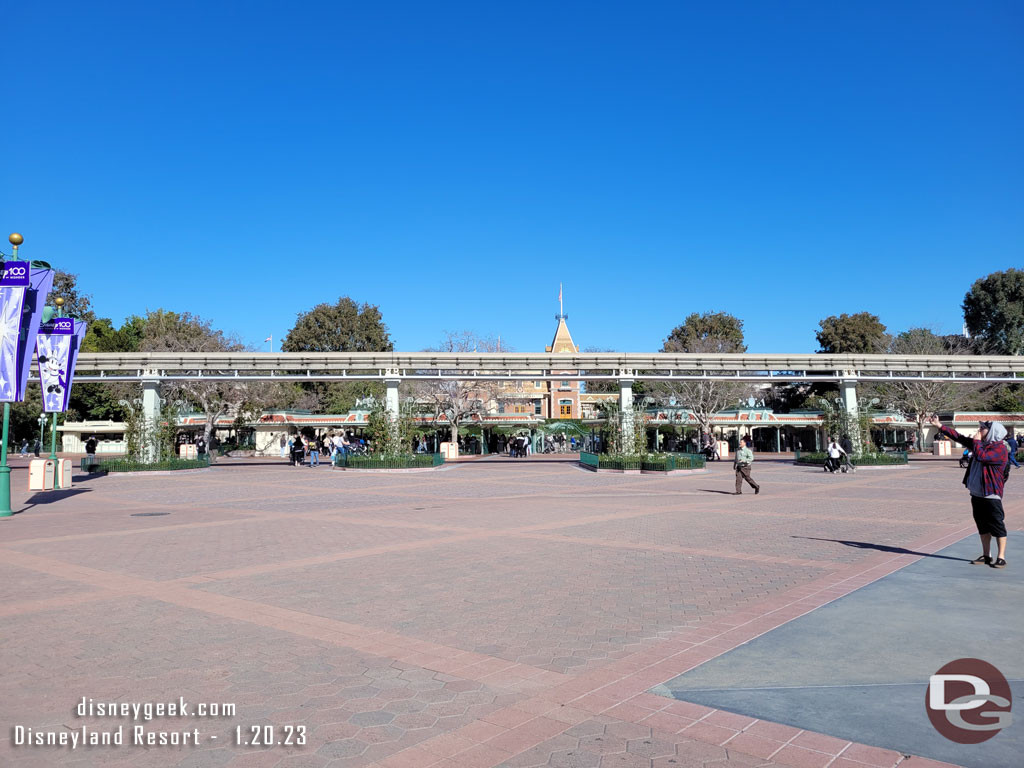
pixel 147 736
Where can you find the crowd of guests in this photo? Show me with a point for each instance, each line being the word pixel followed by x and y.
pixel 299 449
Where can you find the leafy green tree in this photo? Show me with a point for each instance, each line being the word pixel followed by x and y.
pixel 707 333
pixel 98 402
pixel 710 333
pixel 994 311
pixel 859 334
pixel 341 327
pixel 102 336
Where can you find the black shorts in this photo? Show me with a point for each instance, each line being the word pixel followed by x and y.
pixel 988 516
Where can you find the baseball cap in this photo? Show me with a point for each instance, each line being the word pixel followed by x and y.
pixel 985 425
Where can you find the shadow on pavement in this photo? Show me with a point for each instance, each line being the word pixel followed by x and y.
pixel 51 497
pixel 882 548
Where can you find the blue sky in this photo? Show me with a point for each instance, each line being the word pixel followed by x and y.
pixel 453 162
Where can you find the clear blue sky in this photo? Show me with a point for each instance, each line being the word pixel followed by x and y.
pixel 453 162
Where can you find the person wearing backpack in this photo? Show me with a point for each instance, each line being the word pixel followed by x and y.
pixel 985 478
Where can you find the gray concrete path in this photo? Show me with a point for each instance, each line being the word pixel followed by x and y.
pixel 858 668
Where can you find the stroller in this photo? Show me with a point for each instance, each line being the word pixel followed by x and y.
pixel 965 458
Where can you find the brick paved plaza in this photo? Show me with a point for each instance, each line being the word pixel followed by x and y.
pixel 493 613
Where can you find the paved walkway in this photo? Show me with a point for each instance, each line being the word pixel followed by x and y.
pixel 499 613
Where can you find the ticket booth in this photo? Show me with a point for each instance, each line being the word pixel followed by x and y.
pixel 942 448
pixel 188 451
pixel 450 450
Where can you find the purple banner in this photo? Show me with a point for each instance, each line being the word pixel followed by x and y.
pixel 23 290
pixel 12 298
pixel 40 283
pixel 56 349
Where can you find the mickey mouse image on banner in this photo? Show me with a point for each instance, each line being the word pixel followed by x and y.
pixel 56 349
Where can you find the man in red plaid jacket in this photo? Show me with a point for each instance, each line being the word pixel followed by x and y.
pixel 984 480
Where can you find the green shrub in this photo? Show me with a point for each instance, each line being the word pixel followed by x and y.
pixel 399 461
pixel 164 465
pixel 864 460
pixel 650 462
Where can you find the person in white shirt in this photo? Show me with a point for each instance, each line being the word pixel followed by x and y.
pixel 835 452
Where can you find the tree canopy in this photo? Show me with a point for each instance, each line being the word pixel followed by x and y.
pixel 341 327
pixel 994 311
pixel 76 303
pixel 708 332
pixel 862 333
pixel 717 332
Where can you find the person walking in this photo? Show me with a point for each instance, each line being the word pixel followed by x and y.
pixel 284 445
pixel 314 452
pixel 1013 446
pixel 24 447
pixel 835 452
pixel 744 461
pixel 985 476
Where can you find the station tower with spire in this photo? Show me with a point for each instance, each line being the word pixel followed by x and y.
pixel 563 394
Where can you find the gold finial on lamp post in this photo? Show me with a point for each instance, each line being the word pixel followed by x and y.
pixel 15 239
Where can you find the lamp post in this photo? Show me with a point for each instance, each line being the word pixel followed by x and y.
pixel 5 471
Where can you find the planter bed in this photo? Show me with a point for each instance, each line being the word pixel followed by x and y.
pixel 652 464
pixel 412 462
pixel 140 467
pixel 897 459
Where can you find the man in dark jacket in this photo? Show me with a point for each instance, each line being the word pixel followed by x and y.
pixel 984 480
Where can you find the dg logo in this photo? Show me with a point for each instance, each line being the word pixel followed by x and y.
pixel 968 701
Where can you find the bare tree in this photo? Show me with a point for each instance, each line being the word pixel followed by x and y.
pixel 921 399
pixel 184 332
pixel 456 401
pixel 711 333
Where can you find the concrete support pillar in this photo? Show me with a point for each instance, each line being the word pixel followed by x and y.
pixel 392 406
pixel 150 414
pixel 848 393
pixel 626 411
pixel 391 403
